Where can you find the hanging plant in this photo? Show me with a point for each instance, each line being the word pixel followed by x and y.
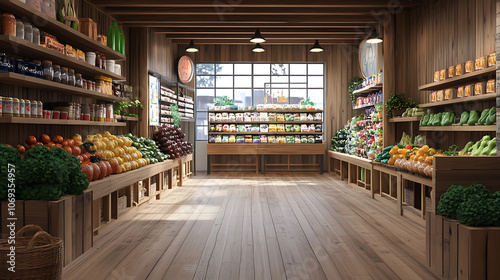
pixel 352 84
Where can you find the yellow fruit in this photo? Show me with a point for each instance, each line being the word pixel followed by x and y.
pixel 147 160
pixel 139 154
pixel 134 156
pixel 120 160
pixel 133 164
pixel 121 168
pixel 127 166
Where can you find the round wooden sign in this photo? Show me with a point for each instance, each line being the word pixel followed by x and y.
pixel 185 69
pixel 371 58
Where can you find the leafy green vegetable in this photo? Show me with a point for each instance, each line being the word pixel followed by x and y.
pixel 175 115
pixel 8 155
pixel 352 84
pixel 456 195
pixel 478 210
pixel 399 101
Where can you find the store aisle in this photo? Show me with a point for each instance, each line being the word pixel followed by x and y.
pixel 247 226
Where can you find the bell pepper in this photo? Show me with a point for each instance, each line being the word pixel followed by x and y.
pixel 467 147
pixel 437 119
pixel 464 118
pixel 491 119
pixel 484 115
pixel 473 117
pixel 424 120
pixel 448 118
pixel 492 144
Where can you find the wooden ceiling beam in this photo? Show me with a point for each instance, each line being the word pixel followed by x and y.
pixel 268 43
pixel 251 25
pixel 287 36
pixel 264 31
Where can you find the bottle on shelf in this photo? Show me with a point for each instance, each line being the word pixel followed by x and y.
pixel 111 35
pixel 122 42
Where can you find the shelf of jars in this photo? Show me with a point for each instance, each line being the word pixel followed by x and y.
pixel 475 98
pixel 46 121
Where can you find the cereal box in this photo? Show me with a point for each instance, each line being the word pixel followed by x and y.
pixel 436 76
pixel 439 96
pixel 460 92
pixel 468 90
pixel 442 75
pixel 479 89
pixel 492 59
pixel 480 63
pixel 451 71
pixel 448 94
pixel 468 66
pixel 490 86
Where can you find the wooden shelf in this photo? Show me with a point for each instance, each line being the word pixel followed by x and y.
pixel 183 119
pixel 476 76
pixel 266 133
pixel 266 149
pixel 60 30
pixel 459 128
pixel 127 118
pixel 368 89
pixel 364 106
pixel 267 122
pixel 32 82
pixel 21 47
pixel 407 119
pixel 482 97
pixel 19 120
pixel 266 111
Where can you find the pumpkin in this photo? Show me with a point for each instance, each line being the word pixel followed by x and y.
pixel 97 171
pixel 88 171
pixel 109 168
pixel 114 165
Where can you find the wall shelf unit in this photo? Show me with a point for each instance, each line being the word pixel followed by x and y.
pixel 18 120
pixel 368 89
pixel 482 97
pixel 458 128
pixel 485 74
pixel 406 119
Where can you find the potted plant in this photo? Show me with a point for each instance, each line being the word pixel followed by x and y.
pixel 225 101
pixel 352 85
pixel 119 108
pixel 397 104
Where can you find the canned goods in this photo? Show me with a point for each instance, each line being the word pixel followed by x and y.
pixel 15 107
pixel 8 107
pixel 40 110
pixel 27 108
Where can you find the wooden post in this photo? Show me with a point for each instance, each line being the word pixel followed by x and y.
pixel 114 205
pixel 106 208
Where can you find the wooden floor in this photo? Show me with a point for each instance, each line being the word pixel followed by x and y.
pixel 248 226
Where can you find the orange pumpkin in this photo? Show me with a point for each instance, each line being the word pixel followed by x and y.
pixel 88 171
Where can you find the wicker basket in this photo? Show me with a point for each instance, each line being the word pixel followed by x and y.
pixel 38 257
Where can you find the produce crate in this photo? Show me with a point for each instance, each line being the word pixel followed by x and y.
pixel 456 251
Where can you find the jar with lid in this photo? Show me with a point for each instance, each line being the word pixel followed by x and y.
pixel 8 24
pixel 15 107
pixel 4 62
pixel 109 112
pixel 57 73
pixel 22 108
pixel 92 112
pixel 98 60
pixel 84 83
pixel 64 75
pixel 36 36
pixel 98 87
pixel 101 113
pixel 19 66
pixel 1 106
pixel 28 32
pixel 79 80
pixel 93 86
pixel 34 109
pixel 7 107
pixel 48 70
pixel 71 77
pixel 39 113
pixel 38 69
pixel 79 112
pixel 19 29
pixel 30 69
pixel 103 62
pixel 27 108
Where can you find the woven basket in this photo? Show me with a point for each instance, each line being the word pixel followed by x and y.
pixel 38 257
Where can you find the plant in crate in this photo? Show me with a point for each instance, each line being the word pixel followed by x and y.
pixel 119 107
pixel 397 104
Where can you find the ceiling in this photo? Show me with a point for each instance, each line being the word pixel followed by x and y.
pixel 235 21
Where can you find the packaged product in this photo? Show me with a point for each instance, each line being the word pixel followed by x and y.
pixel 451 71
pixel 296 128
pixel 468 66
pixel 492 59
pixel 255 117
pixel 240 139
pixel 263 139
pixel 289 117
pixel 319 128
pixel 225 117
pixel 303 117
pixel 248 117
pixel 296 139
pixel 218 117
pixel 271 139
pixel 239 117
pixel 458 69
pixel 272 128
pixel 490 86
pixel 281 139
pixel 264 117
pixel 260 107
pixel 479 89
pixel 232 138
pixel 312 128
pixel 225 138
pixel 232 117
pixel 240 128
pixel 318 116
pixel 304 128
pixel 460 92
pixel 433 96
pixel 211 117
pixel 280 117
pixel 442 74
pixel 264 128
pixel 448 94
pixel 436 76
pixel 255 128
pixel 303 139
pixel 296 117
pixel 272 117
pixel 280 127
pixel 288 127
pixel 248 139
pixel 232 128
pixel 248 128
pixel 468 90
pixel 211 139
pixel 212 128
pixel 219 128
pixel 225 128
pixel 318 139
pixel 310 117
pixel 480 63
pixel 310 139
pixel 218 139
pixel 439 95
pixel 289 139
pixel 256 139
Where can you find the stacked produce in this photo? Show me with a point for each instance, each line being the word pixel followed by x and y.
pixel 365 134
pixel 339 141
pixel 439 119
pixel 484 147
pixel 170 140
pixel 148 148
pixel 413 112
pixel 472 205
pixel 487 117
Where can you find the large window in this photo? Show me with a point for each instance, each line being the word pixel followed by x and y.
pixel 249 84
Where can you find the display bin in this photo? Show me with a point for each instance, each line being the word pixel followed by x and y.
pixel 351 168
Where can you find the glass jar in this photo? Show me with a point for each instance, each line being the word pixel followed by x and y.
pixel 97 87
pixel 48 70
pixel 15 107
pixel 79 80
pixel 84 83
pixel 34 109
pixel 71 77
pixel 39 113
pixel 7 107
pixel 57 73
pixel 93 86
pixel 38 69
pixel 4 62
pixel 103 62
pixel 98 60
pixel 30 69
pixel 28 32
pixel 101 113
pixel 19 66
pixel 36 36
pixel 19 29
pixel 22 108
pixel 27 108
pixel 8 24
pixel 64 75
pixel 1 106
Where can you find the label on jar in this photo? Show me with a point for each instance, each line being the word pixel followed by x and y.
pixel 16 109
pixel 27 109
pixel 34 109
pixel 22 108
pixel 40 110
pixel 8 107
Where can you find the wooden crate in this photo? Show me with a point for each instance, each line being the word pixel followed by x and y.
pixel 455 251
pixel 69 218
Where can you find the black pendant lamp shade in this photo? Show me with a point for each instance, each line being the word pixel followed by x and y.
pixel 374 38
pixel 191 47
pixel 257 37
pixel 258 48
pixel 316 48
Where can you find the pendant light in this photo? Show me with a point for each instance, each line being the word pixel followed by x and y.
pixel 316 48
pixel 258 48
pixel 374 37
pixel 257 37
pixel 191 47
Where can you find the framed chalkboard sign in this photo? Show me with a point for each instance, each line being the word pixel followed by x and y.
pixel 371 58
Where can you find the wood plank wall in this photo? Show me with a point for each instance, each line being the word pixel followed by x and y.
pixel 435 36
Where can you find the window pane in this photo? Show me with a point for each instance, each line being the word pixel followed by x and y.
pixel 224 92
pixel 261 81
pixel 296 95
pixel 315 69
pixel 204 81
pixel 242 81
pixel 224 82
pixel 279 79
pixel 279 69
pixel 298 79
pixel 258 97
pixel 298 85
pixel 204 69
pixel 280 96
pixel 202 133
pixel 243 69
pixel 261 69
pixel 298 69
pixel 316 96
pixel 279 85
pixel 204 97
pixel 201 118
pixel 315 81
pixel 224 69
pixel 243 97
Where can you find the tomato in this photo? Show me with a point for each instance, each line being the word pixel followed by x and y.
pixel 65 143
pixel 57 139
pixel 68 150
pixel 85 157
pixel 21 149
pixel 97 171
pixel 76 151
pixel 31 140
pixel 78 143
pixel 45 139
pixel 409 147
pixel 59 145
pixel 88 170
pixel 50 145
pixel 80 158
pixel 39 143
pixel 71 142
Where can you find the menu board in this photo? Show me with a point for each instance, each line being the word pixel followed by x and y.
pixel 154 106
